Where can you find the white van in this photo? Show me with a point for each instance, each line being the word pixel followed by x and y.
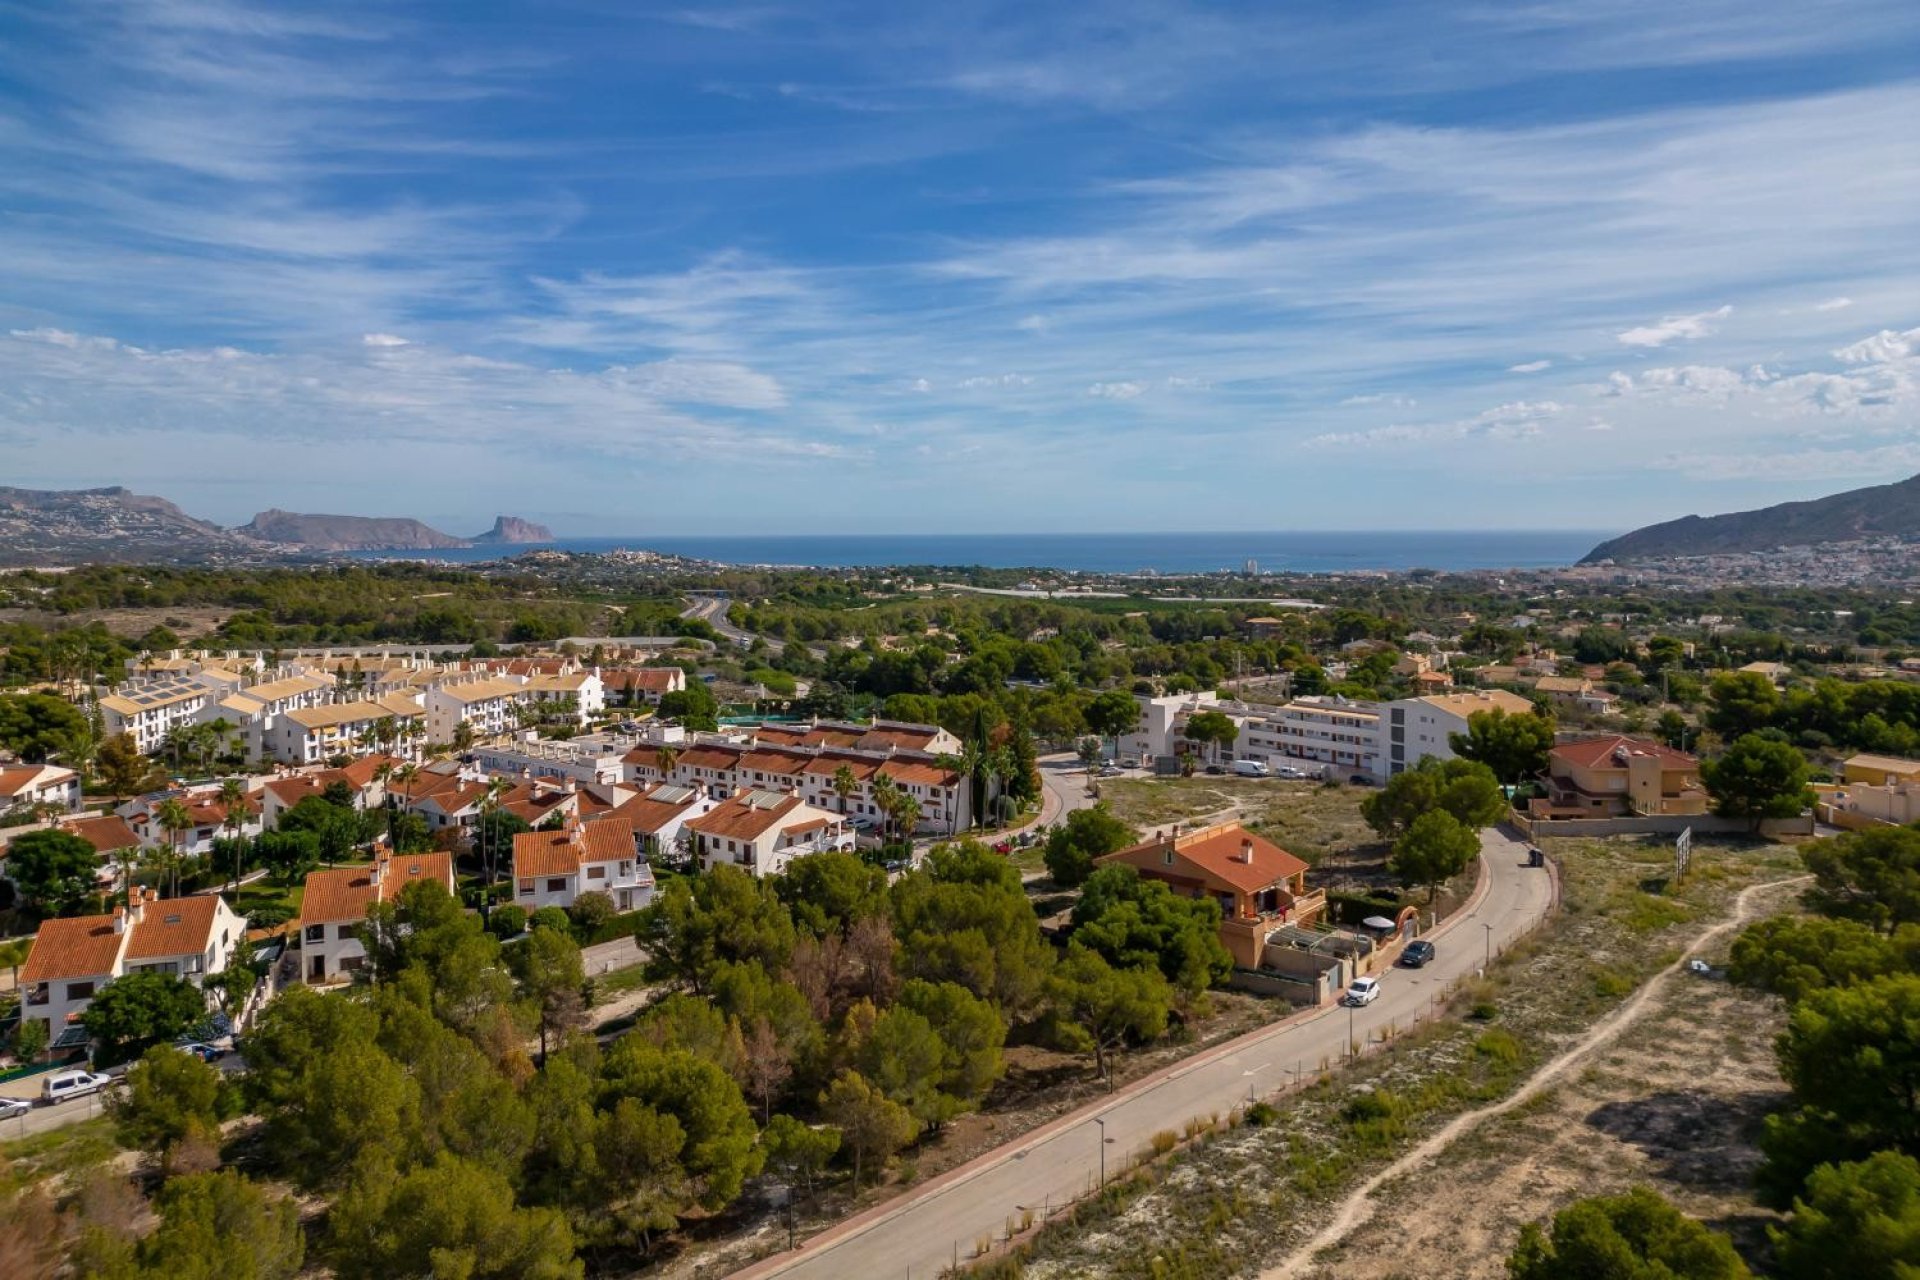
pixel 62 1085
pixel 1252 769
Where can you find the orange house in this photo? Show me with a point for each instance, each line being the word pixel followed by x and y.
pixel 1259 885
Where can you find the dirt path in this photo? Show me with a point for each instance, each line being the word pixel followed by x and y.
pixel 1357 1208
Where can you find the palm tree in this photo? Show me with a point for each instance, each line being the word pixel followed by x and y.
pixel 844 785
pixel 218 731
pixel 233 800
pixel 172 817
pixel 489 805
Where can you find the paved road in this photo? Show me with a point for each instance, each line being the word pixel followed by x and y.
pixel 1061 1161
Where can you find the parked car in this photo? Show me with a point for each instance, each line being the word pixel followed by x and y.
pixel 62 1085
pixel 204 1052
pixel 1216 768
pixel 1361 780
pixel 1418 952
pixel 1288 771
pixel 11 1108
pixel 1363 991
pixel 1251 768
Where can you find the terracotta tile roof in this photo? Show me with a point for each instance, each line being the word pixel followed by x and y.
pixel 1217 853
pixel 560 853
pixel 773 760
pixel 746 816
pixel 79 947
pixel 107 833
pixel 482 690
pixel 173 927
pixel 924 774
pixel 711 757
pixel 344 893
pixel 647 815
pixel 1465 704
pixel 1885 764
pixel 1597 753
pixel 15 781
pixel 829 764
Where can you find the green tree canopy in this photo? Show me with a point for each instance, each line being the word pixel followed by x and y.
pixel 720 1151
pixel 963 916
pixel 828 892
pixel 1134 922
pixel 722 915
pixel 133 1013
pixel 1636 1236
pixel 1436 848
pixel 1466 789
pixel 1113 713
pixel 1097 1008
pixel 220 1226
pixel 872 1126
pixel 1085 835
pixel 1515 747
pixel 450 1218
pixel 693 706
pixel 1872 876
pixel 36 725
pixel 55 871
pixel 1741 702
pixel 1757 778
pixel 170 1097
pixel 1859 1219
pixel 1210 728
pixel 1794 956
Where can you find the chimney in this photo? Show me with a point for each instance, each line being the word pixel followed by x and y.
pixel 1246 850
pixel 120 918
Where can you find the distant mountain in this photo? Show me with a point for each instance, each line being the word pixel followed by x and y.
pixel 347 533
pixel 512 529
pixel 1885 510
pixel 71 526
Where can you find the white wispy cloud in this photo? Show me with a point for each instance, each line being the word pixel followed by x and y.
pixel 1833 304
pixel 1115 390
pixel 1531 366
pixel 1887 345
pixel 1673 328
pixel 1392 398
pixel 1518 420
pixel 982 381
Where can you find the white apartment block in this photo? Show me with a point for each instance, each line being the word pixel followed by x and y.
pixel 253 710
pixel 1334 736
pixel 488 707
pixel 311 735
pixel 1415 728
pixel 945 796
pixel 150 711
pixel 596 759
pixel 581 690
pixel 1160 722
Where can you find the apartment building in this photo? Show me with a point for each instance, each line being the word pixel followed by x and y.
pixel 592 759
pixel 253 709
pixel 148 712
pixel 312 735
pixel 658 819
pixel 760 832
pixel 489 707
pixel 1161 719
pixel 206 812
pixel 335 906
pixel 580 690
pixel 74 959
pixel 642 686
pixel 553 868
pixel 1416 728
pixel 1331 735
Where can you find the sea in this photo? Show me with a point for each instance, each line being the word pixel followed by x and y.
pixel 1104 553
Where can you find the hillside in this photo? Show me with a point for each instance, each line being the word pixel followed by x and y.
pixel 347 533
pixel 512 530
pixel 67 526
pixel 1879 511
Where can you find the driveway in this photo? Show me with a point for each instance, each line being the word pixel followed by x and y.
pixel 922 1232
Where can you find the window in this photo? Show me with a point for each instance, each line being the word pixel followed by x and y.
pixel 79 991
pixel 556 884
pixel 526 887
pixel 596 873
pixel 316 933
pixel 1167 857
pixel 344 933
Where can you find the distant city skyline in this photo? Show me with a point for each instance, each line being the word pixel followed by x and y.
pixel 863 268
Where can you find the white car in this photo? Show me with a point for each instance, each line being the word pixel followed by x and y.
pixel 1363 991
pixel 62 1085
pixel 12 1107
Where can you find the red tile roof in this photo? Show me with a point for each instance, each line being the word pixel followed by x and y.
pixel 560 853
pixel 1597 753
pixel 345 893
pixel 746 816
pixel 107 833
pixel 173 927
pixel 1218 852
pixel 79 947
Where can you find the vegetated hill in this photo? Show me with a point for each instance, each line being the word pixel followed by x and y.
pixel 69 526
pixel 1884 510
pixel 347 533
pixel 512 529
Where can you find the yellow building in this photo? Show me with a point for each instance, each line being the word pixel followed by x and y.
pixel 1878 771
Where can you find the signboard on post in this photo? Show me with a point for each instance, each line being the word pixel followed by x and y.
pixel 1682 854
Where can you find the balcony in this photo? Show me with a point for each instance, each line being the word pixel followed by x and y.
pixel 39 996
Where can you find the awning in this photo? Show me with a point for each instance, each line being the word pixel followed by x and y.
pixel 1379 922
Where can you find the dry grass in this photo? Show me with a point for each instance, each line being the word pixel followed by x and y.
pixel 1248 1196
pixel 1315 821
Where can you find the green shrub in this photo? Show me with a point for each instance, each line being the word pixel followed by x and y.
pixel 1500 1046
pixel 507 922
pixel 1262 1114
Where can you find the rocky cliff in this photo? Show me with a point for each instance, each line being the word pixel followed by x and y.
pixel 1881 511
pixel 512 529
pixel 347 533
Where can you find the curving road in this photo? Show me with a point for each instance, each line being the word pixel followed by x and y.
pixel 922 1232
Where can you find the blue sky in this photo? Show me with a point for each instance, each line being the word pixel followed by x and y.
pixel 937 268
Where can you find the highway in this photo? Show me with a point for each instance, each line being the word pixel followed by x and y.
pixel 922 1232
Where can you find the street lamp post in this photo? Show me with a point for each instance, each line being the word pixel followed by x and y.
pixel 1350 1008
pixel 1104 1140
pixel 1489 929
